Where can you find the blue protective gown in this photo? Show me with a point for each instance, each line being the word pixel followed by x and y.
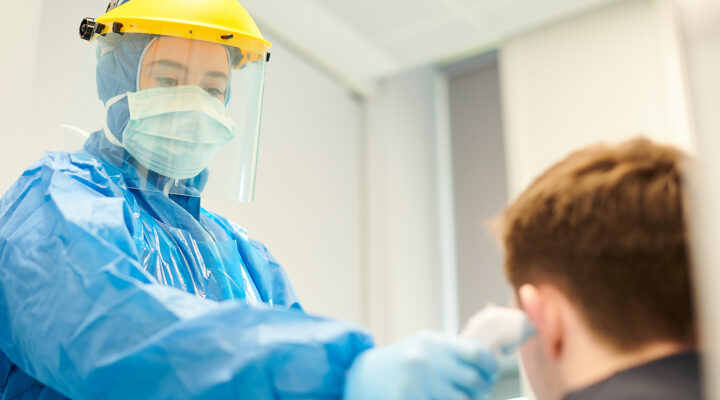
pixel 116 293
pixel 104 298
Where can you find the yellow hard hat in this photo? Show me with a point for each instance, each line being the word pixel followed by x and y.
pixel 219 21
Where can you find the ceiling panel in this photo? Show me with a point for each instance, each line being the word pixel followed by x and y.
pixel 362 41
pixel 456 37
pixel 376 18
pixel 512 15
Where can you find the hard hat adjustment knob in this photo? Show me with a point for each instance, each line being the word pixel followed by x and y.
pixel 89 27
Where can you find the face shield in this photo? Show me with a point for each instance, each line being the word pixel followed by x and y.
pixel 174 107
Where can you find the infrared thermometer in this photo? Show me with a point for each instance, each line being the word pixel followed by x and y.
pixel 501 330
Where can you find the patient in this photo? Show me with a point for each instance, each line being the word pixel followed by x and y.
pixel 596 250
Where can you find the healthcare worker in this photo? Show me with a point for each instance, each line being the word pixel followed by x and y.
pixel 116 284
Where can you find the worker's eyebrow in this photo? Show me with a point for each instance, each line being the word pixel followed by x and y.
pixel 168 63
pixel 217 74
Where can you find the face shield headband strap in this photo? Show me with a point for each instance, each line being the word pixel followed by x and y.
pixel 140 62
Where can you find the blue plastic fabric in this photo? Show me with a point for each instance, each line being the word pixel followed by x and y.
pixel 114 294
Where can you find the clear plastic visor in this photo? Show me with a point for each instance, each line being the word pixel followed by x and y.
pixel 187 115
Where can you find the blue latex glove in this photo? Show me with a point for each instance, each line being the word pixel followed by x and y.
pixel 427 365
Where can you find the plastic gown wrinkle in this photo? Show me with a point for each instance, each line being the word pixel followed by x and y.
pixel 84 310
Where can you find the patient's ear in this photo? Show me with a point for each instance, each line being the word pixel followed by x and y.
pixel 543 308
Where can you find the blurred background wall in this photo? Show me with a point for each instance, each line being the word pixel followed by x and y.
pixel 700 25
pixel 393 131
pixel 604 75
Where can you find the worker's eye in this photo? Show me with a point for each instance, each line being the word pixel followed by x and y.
pixel 220 94
pixel 166 82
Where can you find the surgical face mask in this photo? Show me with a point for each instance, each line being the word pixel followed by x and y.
pixel 174 131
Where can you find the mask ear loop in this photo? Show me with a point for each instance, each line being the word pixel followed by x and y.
pixel 108 135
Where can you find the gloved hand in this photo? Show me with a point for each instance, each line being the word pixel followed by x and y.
pixel 425 366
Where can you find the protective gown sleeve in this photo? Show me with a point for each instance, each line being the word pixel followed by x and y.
pixel 79 313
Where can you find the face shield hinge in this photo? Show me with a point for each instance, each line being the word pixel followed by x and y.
pixel 267 58
pixel 117 28
pixel 89 27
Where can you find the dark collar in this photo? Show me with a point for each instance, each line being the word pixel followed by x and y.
pixel 673 377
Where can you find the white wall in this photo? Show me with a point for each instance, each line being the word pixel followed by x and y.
pixel 480 181
pixel 480 192
pixel 17 85
pixel 37 82
pixel 605 75
pixel 406 259
pixel 701 26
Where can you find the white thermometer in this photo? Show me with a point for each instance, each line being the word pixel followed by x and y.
pixel 501 330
